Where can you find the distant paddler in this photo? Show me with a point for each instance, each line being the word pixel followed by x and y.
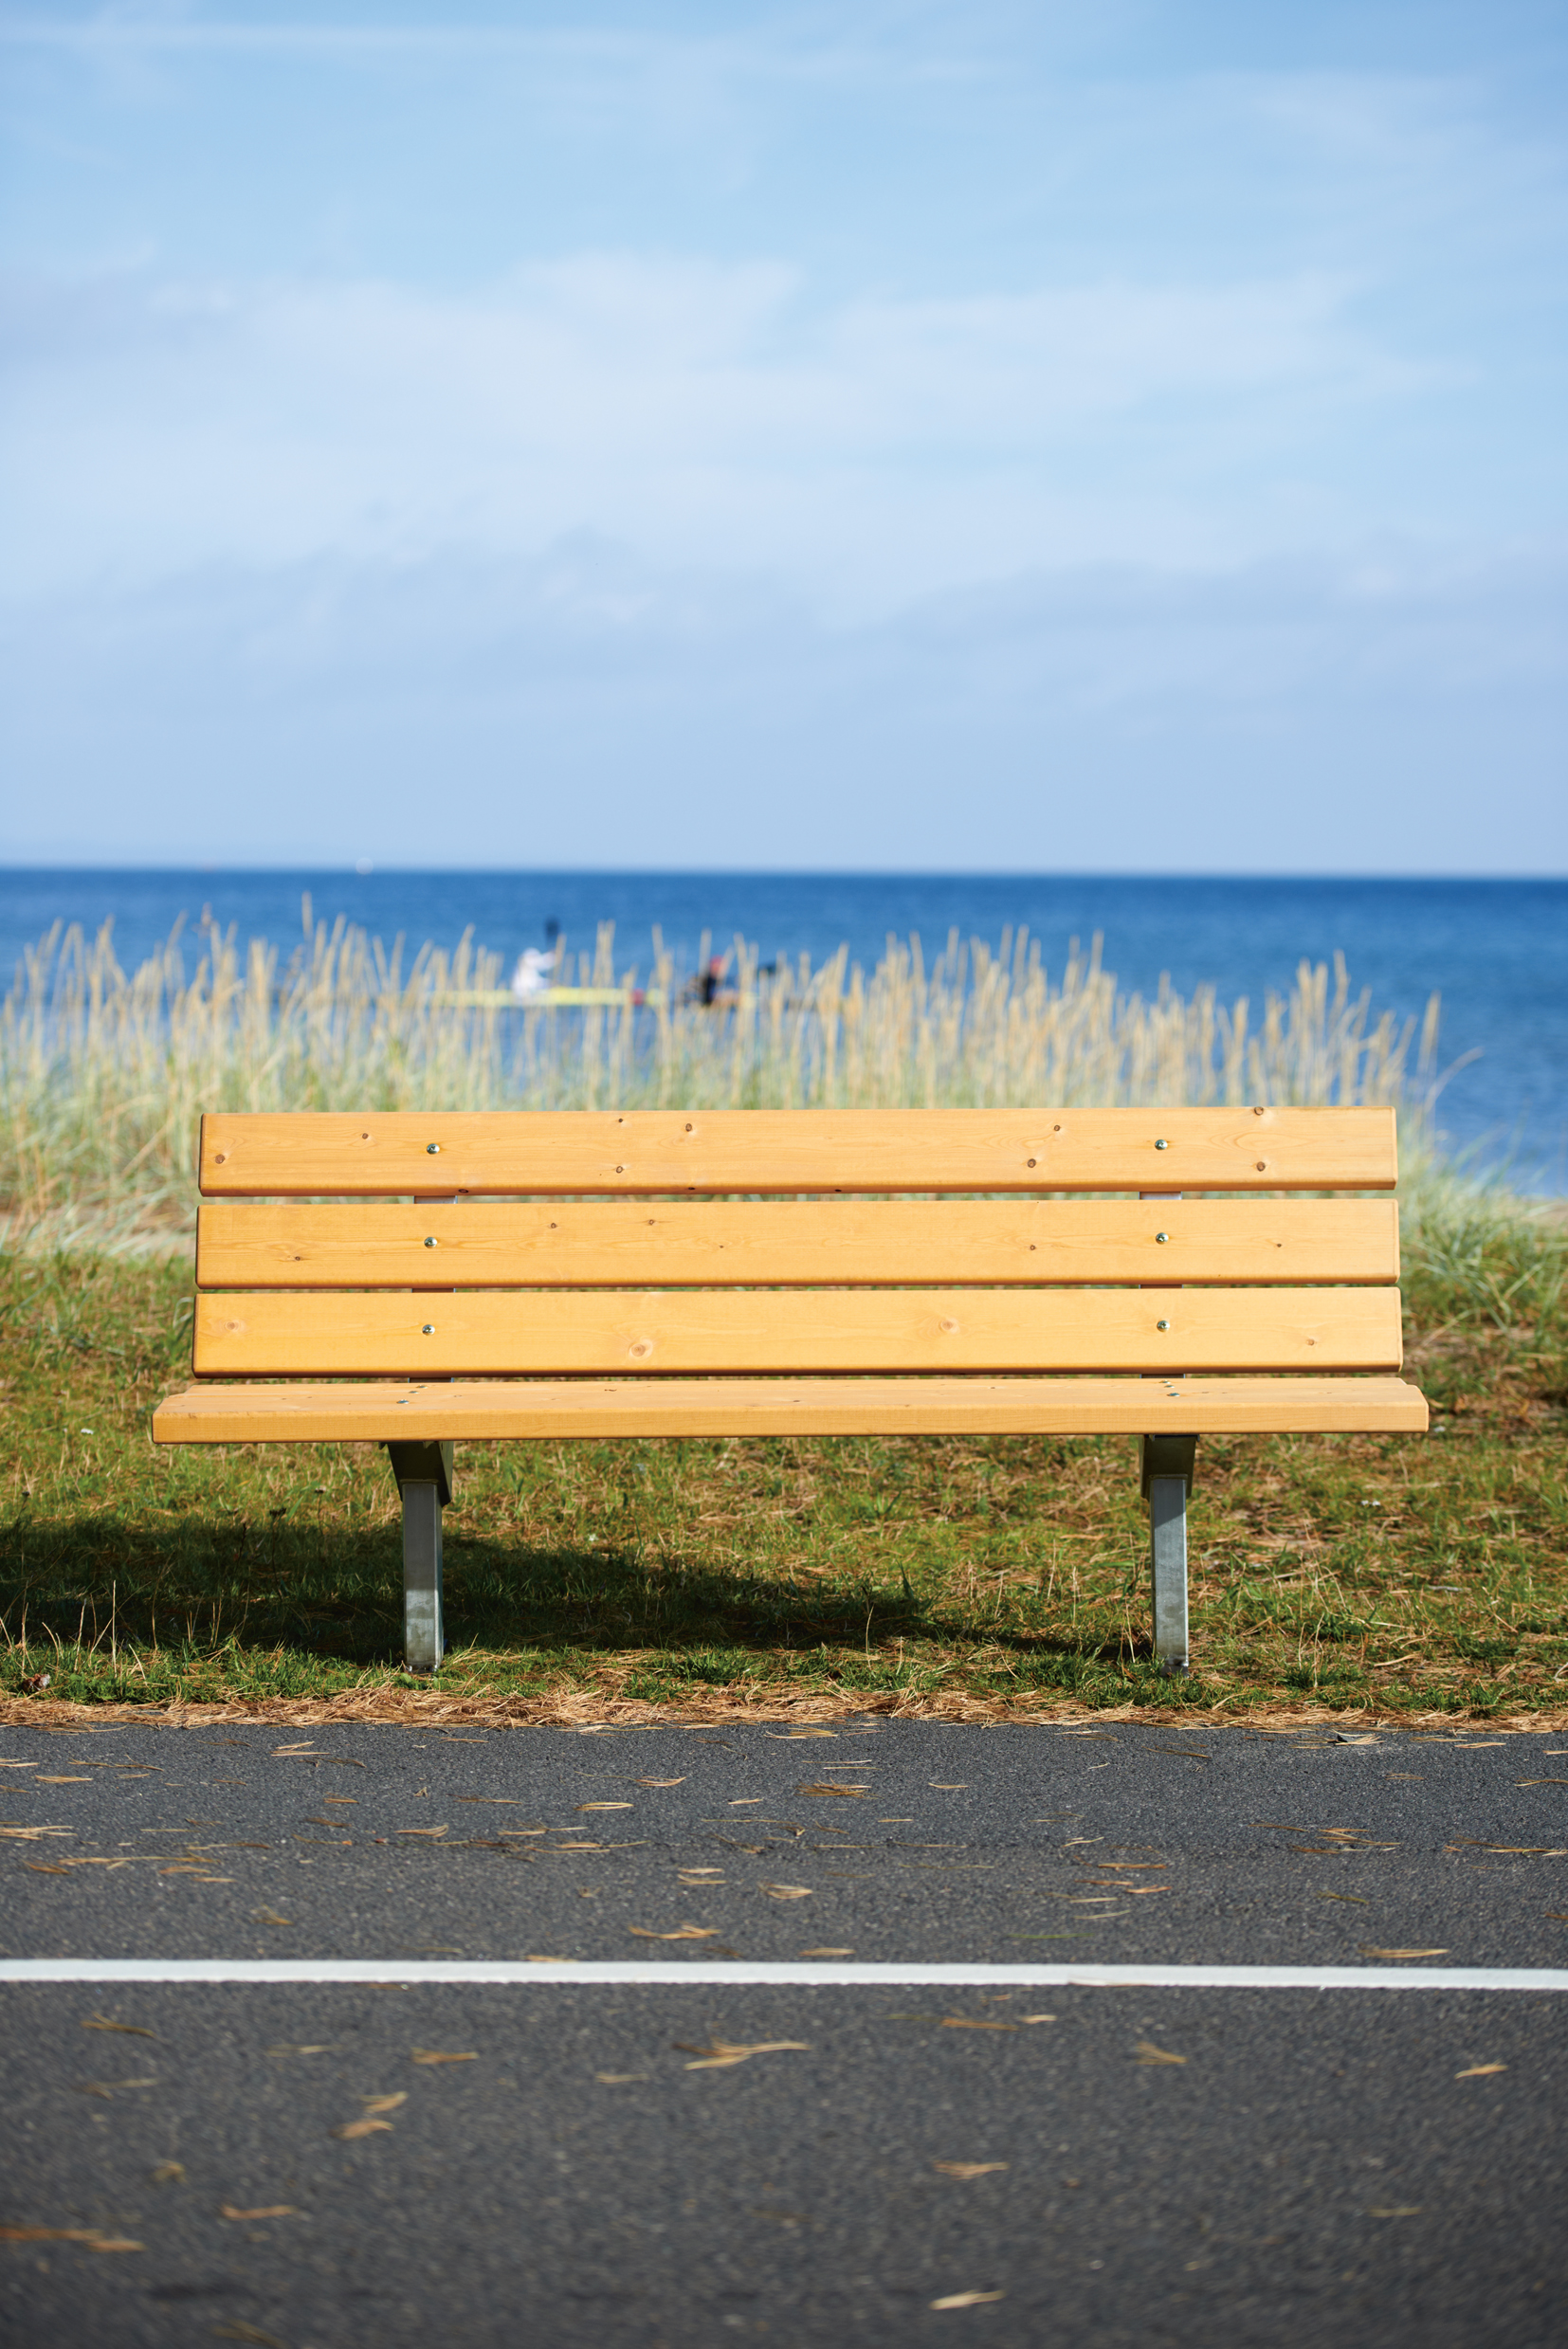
pixel 534 989
pixel 708 987
pixel 536 970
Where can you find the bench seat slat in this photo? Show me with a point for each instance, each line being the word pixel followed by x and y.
pixel 304 1155
pixel 609 1332
pixel 487 1409
pixel 623 1243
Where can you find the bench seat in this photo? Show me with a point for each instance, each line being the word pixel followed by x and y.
pixel 471 1410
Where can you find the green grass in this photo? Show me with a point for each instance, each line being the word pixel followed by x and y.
pixel 1404 1574
pixel 1357 1571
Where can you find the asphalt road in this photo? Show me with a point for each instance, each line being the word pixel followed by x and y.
pixel 1089 2165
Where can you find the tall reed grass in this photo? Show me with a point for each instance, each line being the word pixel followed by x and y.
pixel 103 1074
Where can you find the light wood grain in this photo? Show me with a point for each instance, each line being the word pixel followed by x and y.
pixel 609 1243
pixel 672 1332
pixel 599 1409
pixel 567 1151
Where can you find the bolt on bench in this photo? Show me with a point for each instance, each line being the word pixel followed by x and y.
pixel 757 1273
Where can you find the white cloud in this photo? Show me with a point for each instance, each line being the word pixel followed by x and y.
pixel 930 435
pixel 583 707
pixel 707 412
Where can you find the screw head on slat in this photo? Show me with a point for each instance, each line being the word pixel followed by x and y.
pixel 1161 1145
pixel 433 1243
pixel 428 1329
pixel 1162 1325
pixel 432 1150
pixel 1161 1236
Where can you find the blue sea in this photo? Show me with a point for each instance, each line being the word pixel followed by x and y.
pixel 1495 951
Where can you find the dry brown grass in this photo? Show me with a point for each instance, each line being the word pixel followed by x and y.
pixel 588 1712
pixel 104 1074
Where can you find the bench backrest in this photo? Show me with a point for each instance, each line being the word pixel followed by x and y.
pixel 551 1243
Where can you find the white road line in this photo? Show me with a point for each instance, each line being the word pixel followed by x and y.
pixel 565 1973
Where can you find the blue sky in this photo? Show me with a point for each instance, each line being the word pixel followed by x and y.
pixel 899 436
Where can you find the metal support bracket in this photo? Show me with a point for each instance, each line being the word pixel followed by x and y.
pixel 424 1474
pixel 1166 1467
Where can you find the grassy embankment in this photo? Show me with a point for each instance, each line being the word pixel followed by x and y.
pixel 1403 1574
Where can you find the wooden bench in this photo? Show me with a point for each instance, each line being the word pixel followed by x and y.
pixel 757 1273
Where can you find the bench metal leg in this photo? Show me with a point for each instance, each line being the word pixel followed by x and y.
pixel 424 1474
pixel 1168 1463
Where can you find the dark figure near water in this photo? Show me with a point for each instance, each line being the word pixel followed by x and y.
pixel 707 987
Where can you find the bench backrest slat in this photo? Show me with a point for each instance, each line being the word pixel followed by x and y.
pixel 620 1333
pixel 570 1151
pixel 727 1259
pixel 608 1243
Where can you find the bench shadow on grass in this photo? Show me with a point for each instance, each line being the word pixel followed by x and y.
pixel 116 1607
